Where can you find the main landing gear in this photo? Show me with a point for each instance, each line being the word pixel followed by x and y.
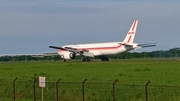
pixel 86 59
pixel 104 58
pixel 64 60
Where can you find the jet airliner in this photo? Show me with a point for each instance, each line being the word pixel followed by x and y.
pixel 101 50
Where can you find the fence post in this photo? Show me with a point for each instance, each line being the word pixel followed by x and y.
pixel 57 93
pixel 14 90
pixel 83 89
pixel 146 90
pixel 113 93
pixel 34 86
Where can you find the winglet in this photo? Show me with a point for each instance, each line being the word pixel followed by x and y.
pixel 131 34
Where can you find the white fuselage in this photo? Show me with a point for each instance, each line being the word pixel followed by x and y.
pixel 101 49
pixel 98 49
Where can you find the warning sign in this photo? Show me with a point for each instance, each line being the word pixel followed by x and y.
pixel 42 82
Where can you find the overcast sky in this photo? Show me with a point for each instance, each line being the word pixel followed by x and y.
pixel 30 26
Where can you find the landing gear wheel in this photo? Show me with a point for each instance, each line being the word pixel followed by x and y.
pixel 86 59
pixel 64 60
pixel 104 58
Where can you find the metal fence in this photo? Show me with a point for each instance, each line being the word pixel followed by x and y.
pixel 17 90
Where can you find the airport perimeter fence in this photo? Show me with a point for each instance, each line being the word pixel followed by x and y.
pixel 17 90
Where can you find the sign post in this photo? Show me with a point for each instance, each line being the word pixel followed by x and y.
pixel 42 84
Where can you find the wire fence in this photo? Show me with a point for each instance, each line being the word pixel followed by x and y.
pixel 17 90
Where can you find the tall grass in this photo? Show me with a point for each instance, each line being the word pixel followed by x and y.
pixel 99 75
pixel 164 72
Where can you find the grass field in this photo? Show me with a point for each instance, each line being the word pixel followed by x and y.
pixel 133 72
pixel 159 71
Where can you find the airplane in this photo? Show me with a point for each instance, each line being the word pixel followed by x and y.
pixel 101 50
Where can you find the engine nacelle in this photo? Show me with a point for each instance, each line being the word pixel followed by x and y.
pixel 69 55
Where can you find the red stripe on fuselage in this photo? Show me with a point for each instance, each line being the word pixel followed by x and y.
pixel 97 48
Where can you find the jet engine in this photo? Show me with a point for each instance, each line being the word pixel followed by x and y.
pixel 69 55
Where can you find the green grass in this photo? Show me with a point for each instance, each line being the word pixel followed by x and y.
pixel 99 75
pixel 164 71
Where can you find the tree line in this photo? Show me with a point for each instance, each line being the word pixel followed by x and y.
pixel 171 53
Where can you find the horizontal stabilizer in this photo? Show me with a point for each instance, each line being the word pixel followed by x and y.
pixel 147 45
pixel 128 44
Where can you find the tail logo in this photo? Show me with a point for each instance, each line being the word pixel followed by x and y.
pixel 134 25
pixel 131 33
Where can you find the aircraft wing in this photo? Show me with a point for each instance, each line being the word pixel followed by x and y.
pixel 49 53
pixel 74 50
pixel 55 47
pixel 83 52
